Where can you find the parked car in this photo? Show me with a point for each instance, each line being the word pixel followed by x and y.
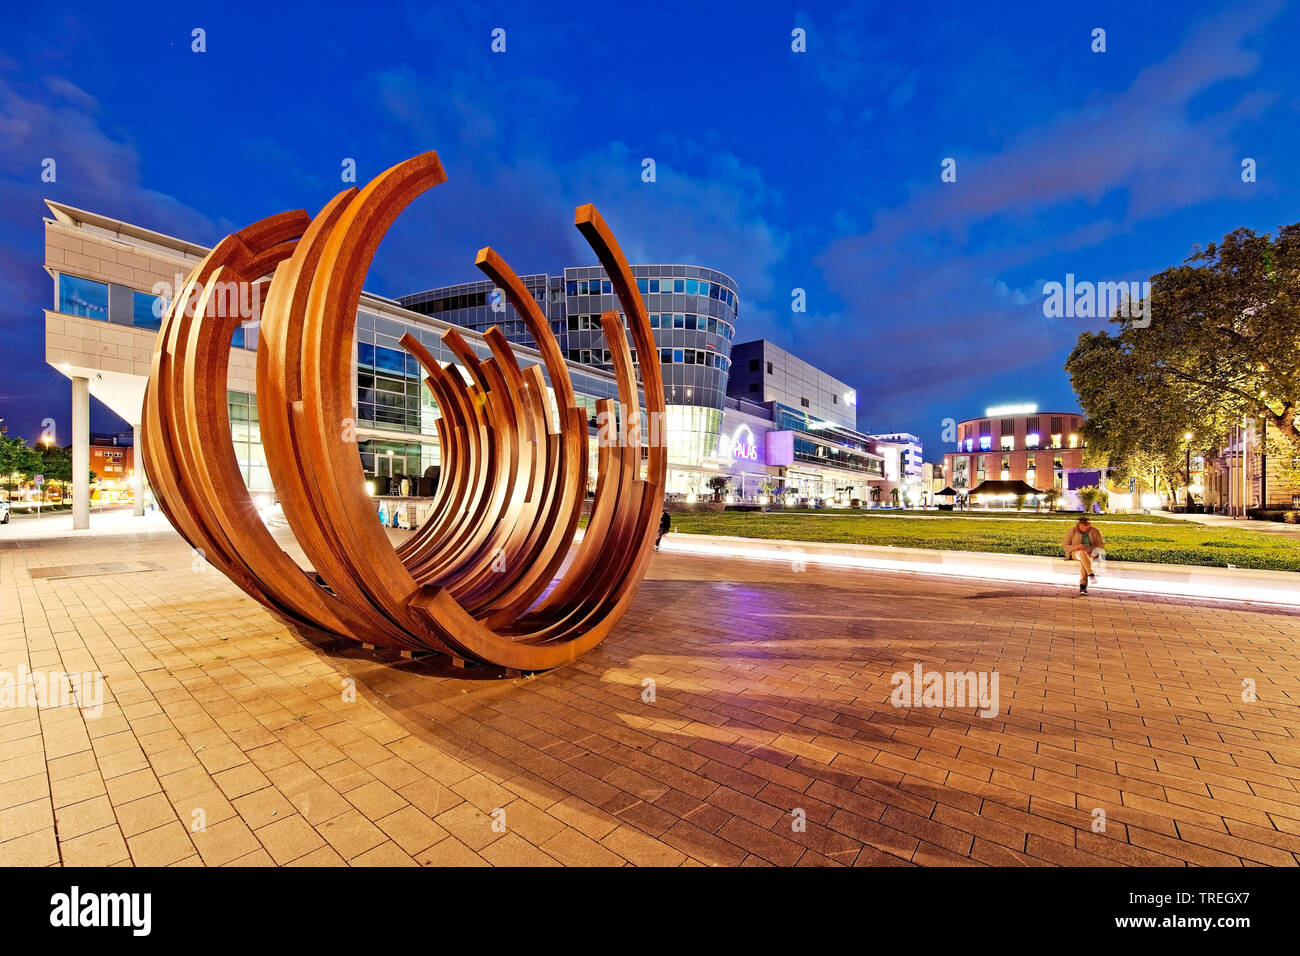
pixel 4 512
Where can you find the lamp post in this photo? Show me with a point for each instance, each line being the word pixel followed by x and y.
pixel 1187 436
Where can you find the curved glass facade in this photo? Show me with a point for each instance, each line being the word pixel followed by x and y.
pixel 693 313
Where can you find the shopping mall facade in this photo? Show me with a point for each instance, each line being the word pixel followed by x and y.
pixel 775 423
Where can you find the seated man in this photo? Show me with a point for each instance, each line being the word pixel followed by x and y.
pixel 1083 543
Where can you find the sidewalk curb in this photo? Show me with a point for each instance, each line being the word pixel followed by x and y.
pixel 1171 580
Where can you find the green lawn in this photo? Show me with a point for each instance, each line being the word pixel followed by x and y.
pixel 1029 514
pixel 1151 538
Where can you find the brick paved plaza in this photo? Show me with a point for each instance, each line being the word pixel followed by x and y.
pixel 772 694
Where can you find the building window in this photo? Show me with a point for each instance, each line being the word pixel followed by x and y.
pixel 148 310
pixel 753 365
pixel 1031 440
pixel 835 399
pixel 1008 426
pixel 1008 442
pixel 804 402
pixel 83 297
pixel 769 368
pixel 1056 424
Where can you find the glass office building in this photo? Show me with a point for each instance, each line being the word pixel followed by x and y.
pixel 693 312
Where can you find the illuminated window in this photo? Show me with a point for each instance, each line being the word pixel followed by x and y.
pixel 985 442
pixel 1031 440
pixel 1008 442
pixel 1056 441
pixel 1074 441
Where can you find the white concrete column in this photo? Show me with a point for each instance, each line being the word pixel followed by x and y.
pixel 137 480
pixel 80 453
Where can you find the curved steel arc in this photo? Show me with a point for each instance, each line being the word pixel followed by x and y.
pixel 473 580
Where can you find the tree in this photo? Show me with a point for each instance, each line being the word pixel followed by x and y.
pixel 17 458
pixel 894 496
pixel 1020 502
pixel 875 494
pixel 1050 497
pixel 1090 496
pixel 718 484
pixel 1223 344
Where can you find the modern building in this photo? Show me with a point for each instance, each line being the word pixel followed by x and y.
pixel 750 411
pixel 904 463
pixel 932 482
pixel 764 372
pixel 111 282
pixel 693 312
pixel 793 434
pixel 1015 442
pixel 769 449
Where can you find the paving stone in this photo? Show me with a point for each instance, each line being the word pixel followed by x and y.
pixel 779 700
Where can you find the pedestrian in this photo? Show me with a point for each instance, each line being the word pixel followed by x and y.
pixel 665 524
pixel 1084 543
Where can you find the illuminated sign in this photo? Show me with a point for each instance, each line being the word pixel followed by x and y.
pixel 851 398
pixel 780 448
pixel 740 445
pixel 1010 410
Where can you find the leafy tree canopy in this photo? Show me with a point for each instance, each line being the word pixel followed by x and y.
pixel 1223 343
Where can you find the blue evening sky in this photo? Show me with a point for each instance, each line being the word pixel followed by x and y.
pixel 816 170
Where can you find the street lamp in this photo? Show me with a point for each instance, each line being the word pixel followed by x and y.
pixel 1187 437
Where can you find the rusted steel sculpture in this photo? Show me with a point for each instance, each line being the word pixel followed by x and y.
pixel 478 580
